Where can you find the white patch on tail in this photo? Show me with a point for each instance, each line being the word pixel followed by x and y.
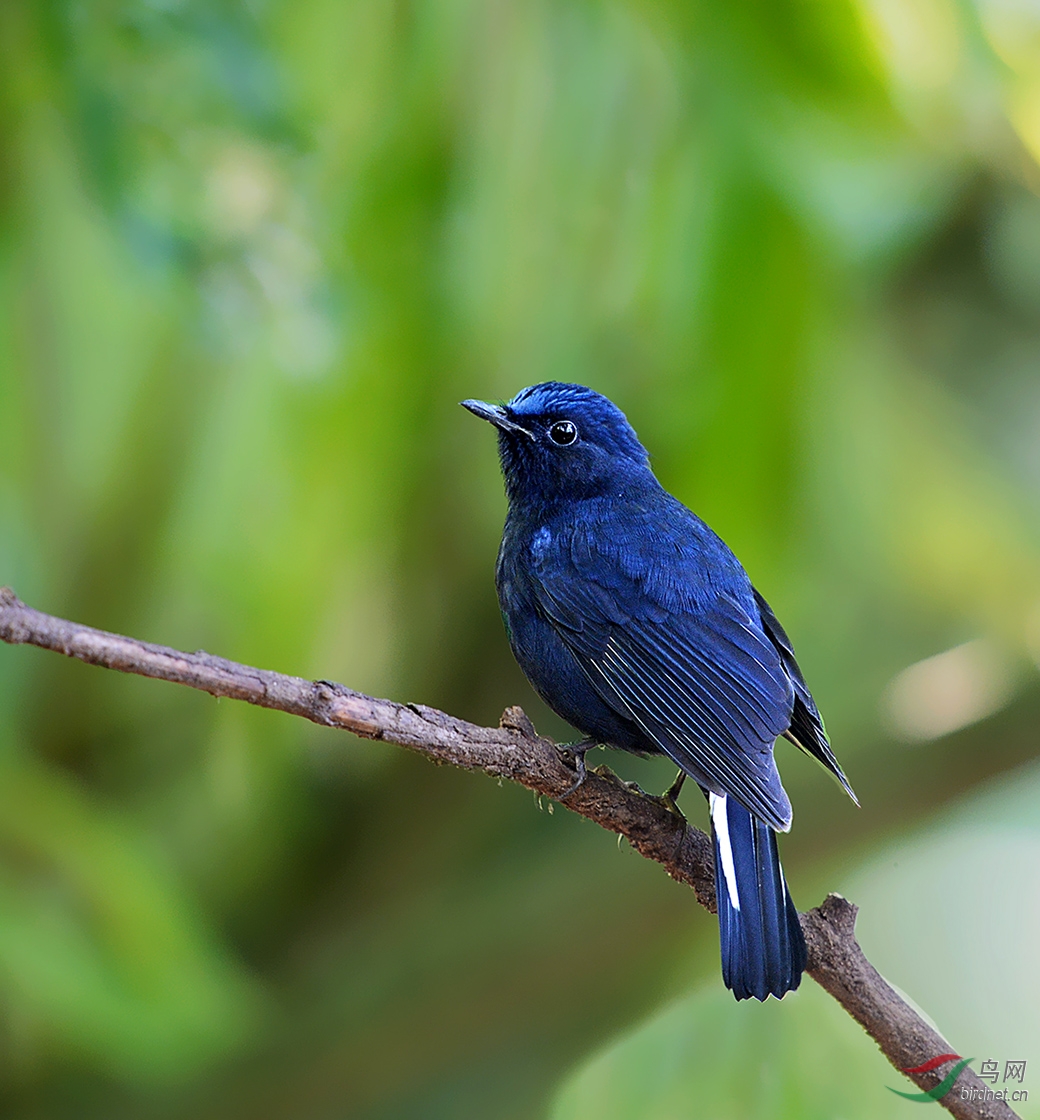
pixel 721 823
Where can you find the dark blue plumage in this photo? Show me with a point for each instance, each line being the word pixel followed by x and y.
pixel 637 624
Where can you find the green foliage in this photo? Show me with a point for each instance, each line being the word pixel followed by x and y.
pixel 99 944
pixel 251 256
pixel 799 1059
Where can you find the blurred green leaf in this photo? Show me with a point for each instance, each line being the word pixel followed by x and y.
pixel 99 948
pixel 801 1058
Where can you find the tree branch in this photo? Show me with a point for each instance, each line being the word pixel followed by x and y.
pixel 515 751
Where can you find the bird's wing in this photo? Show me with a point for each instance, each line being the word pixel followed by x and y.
pixel 701 680
pixel 806 730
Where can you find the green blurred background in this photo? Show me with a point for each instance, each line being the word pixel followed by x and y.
pixel 251 257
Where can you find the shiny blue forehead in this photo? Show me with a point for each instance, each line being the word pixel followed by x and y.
pixel 601 419
pixel 551 397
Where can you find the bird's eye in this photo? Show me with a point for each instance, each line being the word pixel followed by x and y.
pixel 563 432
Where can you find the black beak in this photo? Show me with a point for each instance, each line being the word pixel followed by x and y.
pixel 495 414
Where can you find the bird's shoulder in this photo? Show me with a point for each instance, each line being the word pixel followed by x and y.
pixel 645 551
pixel 662 619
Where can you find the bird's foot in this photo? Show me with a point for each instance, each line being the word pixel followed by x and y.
pixel 670 797
pixel 575 751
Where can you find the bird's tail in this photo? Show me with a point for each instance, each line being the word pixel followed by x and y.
pixel 763 950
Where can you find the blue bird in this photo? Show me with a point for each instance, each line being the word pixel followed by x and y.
pixel 637 624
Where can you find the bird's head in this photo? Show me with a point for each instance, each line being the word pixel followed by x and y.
pixel 559 441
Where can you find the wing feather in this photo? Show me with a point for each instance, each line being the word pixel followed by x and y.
pixel 703 681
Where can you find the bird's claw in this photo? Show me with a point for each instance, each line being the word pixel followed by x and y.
pixel 577 750
pixel 670 797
